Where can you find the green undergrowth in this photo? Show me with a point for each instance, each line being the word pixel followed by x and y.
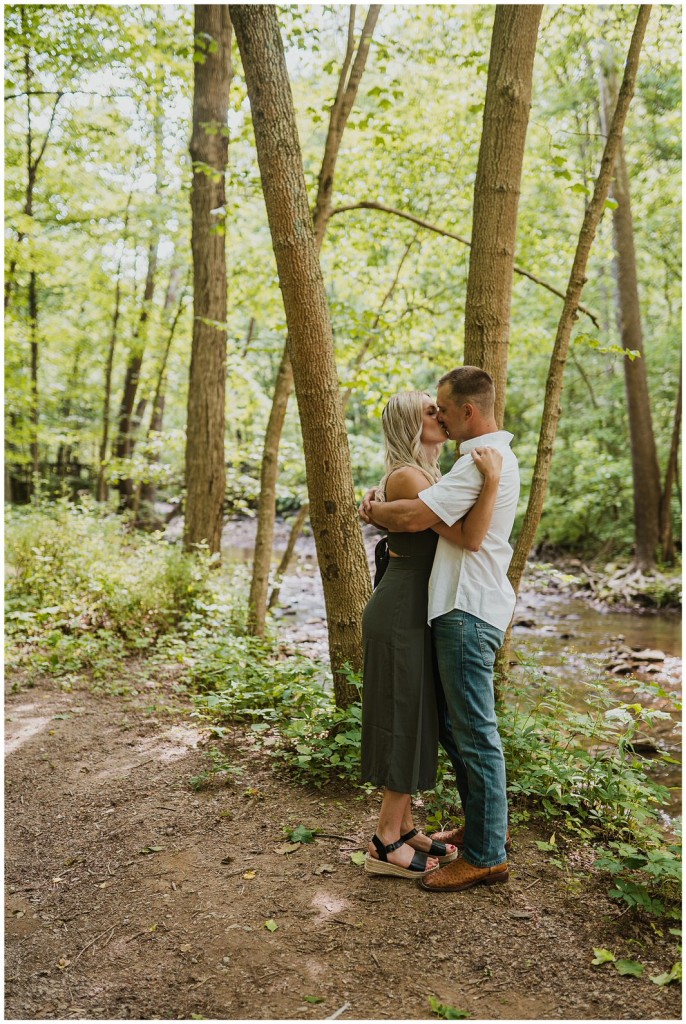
pixel 84 591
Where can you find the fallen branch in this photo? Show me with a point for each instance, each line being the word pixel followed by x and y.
pixel 371 205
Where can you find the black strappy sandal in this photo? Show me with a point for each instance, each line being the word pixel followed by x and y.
pixel 382 865
pixel 438 850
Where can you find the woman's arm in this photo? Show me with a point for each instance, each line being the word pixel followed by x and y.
pixel 470 531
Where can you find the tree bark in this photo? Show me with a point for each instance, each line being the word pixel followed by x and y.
pixel 577 279
pixel 205 468
pixel 671 475
pixel 644 462
pixel 496 192
pixel 348 85
pixel 340 550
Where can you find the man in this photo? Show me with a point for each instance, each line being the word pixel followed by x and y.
pixel 471 602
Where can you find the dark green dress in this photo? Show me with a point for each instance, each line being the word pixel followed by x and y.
pixel 399 715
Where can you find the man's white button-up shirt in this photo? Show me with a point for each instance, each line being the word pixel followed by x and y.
pixel 475 581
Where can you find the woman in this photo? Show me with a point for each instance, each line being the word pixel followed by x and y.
pixel 399 714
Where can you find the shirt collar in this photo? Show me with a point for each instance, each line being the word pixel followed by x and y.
pixel 497 438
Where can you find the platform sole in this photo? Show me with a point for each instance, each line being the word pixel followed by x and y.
pixel 374 866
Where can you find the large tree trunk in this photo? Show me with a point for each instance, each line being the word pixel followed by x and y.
pixel 340 550
pixel 205 469
pixel 577 279
pixel 644 462
pixel 496 192
pixel 348 84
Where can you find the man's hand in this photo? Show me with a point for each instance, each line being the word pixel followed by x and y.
pixel 365 509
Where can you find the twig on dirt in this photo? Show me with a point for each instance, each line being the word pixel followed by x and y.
pixel 107 940
pixel 199 983
pixel 162 807
pixel 535 882
pixel 375 959
pixel 339 1011
pixel 333 835
pixel 350 924
pixel 98 936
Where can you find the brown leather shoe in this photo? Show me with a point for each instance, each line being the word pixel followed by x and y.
pixel 456 837
pixel 462 875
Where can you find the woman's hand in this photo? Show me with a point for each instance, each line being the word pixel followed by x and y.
pixel 489 462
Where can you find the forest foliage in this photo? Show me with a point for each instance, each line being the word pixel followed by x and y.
pixel 97 164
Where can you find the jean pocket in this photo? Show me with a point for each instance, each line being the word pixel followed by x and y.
pixel 490 641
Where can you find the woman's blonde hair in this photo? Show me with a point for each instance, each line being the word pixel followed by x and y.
pixel 402 421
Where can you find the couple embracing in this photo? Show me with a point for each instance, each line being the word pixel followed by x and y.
pixel 432 630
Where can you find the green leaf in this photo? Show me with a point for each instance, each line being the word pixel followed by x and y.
pixel 301 834
pixel 358 857
pixel 668 976
pixel 611 204
pixel 603 956
pixel 444 1011
pixel 313 999
pixel 581 189
pixel 631 967
pixel 271 925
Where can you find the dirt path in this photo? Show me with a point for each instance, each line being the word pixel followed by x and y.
pixel 98 929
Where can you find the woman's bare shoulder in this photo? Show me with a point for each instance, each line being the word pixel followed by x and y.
pixel 405 482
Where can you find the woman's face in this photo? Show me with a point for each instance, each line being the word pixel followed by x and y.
pixel 432 431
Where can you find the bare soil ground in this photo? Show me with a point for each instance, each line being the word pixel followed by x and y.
pixel 97 928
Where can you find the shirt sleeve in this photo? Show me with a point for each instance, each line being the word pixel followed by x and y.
pixel 453 496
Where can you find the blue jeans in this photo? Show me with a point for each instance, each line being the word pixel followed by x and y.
pixel 468 730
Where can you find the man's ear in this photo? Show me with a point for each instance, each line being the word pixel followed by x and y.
pixel 469 410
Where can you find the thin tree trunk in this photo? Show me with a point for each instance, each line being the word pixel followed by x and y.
pixel 671 474
pixel 173 299
pixel 205 469
pixel 644 461
pixel 33 334
pixel 127 418
pixel 340 550
pixel 102 489
pixel 577 279
pixel 348 85
pixel 296 530
pixel 496 192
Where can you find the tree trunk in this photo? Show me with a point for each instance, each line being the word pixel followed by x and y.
pixel 33 334
pixel 205 469
pixel 296 530
pixel 148 490
pixel 577 279
pixel 348 85
pixel 102 489
pixel 644 462
pixel 340 550
pixel 671 474
pixel 496 192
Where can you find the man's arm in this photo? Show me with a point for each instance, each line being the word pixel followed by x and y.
pixel 406 515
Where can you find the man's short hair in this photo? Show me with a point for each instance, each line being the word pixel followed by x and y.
pixel 471 384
